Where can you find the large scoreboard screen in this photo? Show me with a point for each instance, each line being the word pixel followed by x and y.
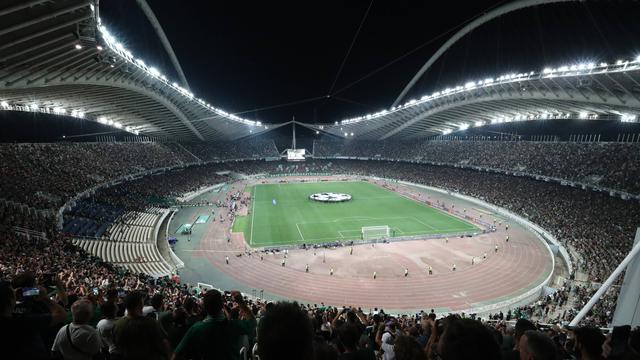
pixel 295 154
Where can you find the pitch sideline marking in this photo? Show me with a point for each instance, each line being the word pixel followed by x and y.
pixel 253 213
pixel 423 223
pixel 299 232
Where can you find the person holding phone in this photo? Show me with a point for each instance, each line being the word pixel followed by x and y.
pixel 20 334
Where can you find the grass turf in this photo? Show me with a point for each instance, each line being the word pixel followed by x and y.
pixel 296 219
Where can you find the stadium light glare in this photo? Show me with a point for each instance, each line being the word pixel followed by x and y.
pixel 102 120
pixel 109 122
pixel 78 46
pixel 154 71
pixel 351 134
pixel 317 132
pixel 33 107
pixel 638 58
pixel 99 48
pixel 603 64
pixel 583 115
pixel 479 123
pixel 628 118
pixel 4 104
pixel 446 132
pixel 345 134
pixel 463 126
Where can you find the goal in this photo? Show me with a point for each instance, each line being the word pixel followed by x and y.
pixel 375 232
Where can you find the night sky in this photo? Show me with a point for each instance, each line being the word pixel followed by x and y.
pixel 249 57
pixel 242 55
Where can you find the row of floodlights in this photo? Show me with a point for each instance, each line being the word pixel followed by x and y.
pixel 57 110
pixel 546 73
pixel 116 124
pixel 520 117
pixel 118 48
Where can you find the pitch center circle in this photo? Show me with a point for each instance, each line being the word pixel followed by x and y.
pixel 330 197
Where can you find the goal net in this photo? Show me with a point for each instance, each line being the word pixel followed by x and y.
pixel 375 232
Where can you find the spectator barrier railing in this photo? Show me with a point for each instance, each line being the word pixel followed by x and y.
pixel 607 284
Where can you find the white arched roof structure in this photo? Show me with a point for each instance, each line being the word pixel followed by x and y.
pixel 56 57
pixel 495 13
pixel 583 91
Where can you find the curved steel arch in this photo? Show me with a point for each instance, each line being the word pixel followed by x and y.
pixel 165 42
pixel 502 10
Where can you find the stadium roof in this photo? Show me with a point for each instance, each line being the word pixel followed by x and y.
pixel 578 91
pixel 56 57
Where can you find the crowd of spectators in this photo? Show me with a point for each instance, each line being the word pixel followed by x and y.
pixel 59 301
pixel 46 175
pixel 606 164
pixel 251 148
pixel 58 171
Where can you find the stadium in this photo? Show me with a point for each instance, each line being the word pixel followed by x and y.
pixel 467 186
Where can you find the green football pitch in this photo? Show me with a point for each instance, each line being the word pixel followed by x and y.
pixel 295 219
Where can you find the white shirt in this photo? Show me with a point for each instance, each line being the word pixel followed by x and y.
pixel 387 347
pixel 106 331
pixel 84 337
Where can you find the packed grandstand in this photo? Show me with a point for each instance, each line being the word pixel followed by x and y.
pixel 91 231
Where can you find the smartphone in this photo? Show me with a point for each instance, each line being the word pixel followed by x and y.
pixel 95 291
pixel 26 292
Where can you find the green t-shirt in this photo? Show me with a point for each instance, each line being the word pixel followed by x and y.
pixel 215 338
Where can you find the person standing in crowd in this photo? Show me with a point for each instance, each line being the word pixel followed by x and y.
pixel 78 340
pixel 217 336
pixel 106 327
pixel 138 336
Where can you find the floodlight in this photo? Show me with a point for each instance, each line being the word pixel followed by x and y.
pixel 463 126
pixel 78 46
pixel 154 71
pixel 33 107
pixel 4 104
pixel 583 115
pixel 445 132
pixel 99 48
pixel 351 134
pixel 317 132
